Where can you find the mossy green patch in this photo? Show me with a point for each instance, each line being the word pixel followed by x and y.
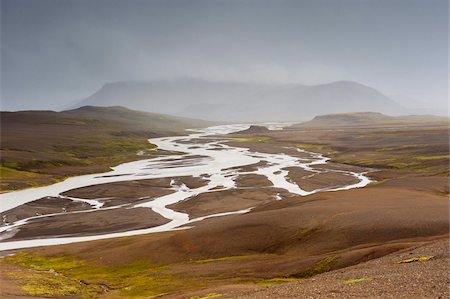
pixel 276 280
pixel 7 172
pixel 416 259
pixel 253 139
pixel 82 279
pixel 207 296
pixel 365 161
pixel 103 145
pixel 222 259
pixel 322 266
pixel 302 233
pixel 400 147
pixel 356 280
pixel 42 263
pixel 403 165
pixel 428 158
pixel 10 165
pixel 55 285
pixel 13 179
pixel 314 147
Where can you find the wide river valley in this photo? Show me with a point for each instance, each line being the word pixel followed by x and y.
pixel 203 154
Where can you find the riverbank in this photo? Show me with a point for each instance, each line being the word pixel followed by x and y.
pixel 214 165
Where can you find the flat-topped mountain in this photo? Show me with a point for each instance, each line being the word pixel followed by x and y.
pixel 231 101
pixel 366 119
pixel 254 130
pixel 347 119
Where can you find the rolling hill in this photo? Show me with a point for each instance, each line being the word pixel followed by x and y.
pixel 41 147
pixel 124 118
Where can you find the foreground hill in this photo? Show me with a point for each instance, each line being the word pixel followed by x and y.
pixel 419 272
pixel 243 102
pixel 39 147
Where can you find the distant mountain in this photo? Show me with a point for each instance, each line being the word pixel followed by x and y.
pixel 303 102
pixel 169 96
pixel 227 101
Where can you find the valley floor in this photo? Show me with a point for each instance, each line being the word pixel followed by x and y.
pixel 279 249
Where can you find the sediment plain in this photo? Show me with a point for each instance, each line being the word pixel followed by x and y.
pixel 245 230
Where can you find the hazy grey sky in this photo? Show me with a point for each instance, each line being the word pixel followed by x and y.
pixel 58 51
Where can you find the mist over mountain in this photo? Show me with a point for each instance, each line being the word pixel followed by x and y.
pixel 420 106
pixel 229 101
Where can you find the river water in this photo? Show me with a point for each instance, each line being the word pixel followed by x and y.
pixel 200 154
